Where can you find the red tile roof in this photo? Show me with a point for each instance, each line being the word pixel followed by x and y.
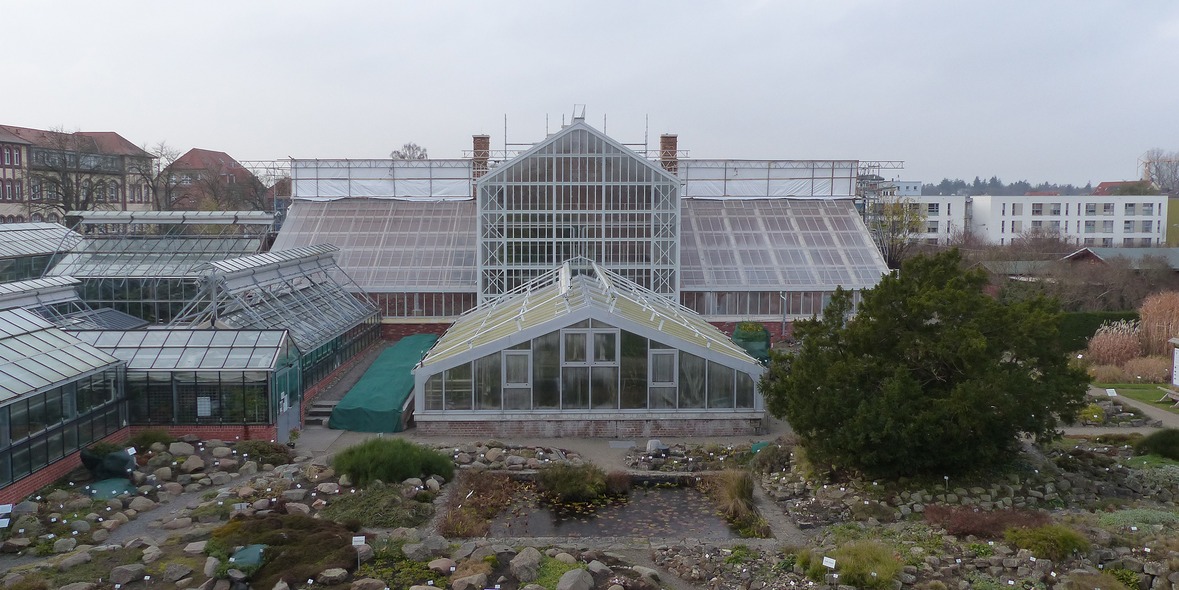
pixel 201 159
pixel 112 143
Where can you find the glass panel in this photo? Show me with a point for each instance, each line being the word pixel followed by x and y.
pixel 605 347
pixel 634 371
pixel 744 391
pixel 663 397
pixel 575 388
pixel 692 373
pixel 434 392
pixel 720 386
pixel 575 347
pixel 663 366
pixel 517 398
pixel 488 393
pixel 604 390
pixel 516 368
pixel 546 371
pixel 457 382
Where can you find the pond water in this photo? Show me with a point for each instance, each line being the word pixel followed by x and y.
pixel 660 512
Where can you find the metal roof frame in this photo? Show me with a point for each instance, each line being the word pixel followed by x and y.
pixel 36 356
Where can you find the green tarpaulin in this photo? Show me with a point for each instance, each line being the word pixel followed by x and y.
pixel 374 404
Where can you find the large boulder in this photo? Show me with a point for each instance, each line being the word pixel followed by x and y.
pixel 526 565
pixel 191 464
pixel 141 504
pixel 332 576
pixel 64 545
pixel 442 565
pixel 369 584
pixel 125 574
pixel 176 571
pixel 577 579
pixel 73 560
pixel 181 448
pixel 430 547
pixel 475 582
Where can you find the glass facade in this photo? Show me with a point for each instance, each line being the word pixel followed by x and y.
pixel 578 194
pixel 590 366
pixel 24 267
pixel 39 429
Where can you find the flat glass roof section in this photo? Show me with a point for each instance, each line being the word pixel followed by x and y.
pixel 34 292
pixel 760 179
pixel 580 289
pixel 250 271
pixel 32 239
pixel 35 355
pixel 157 257
pixel 174 217
pixel 195 350
pixel 776 245
pixel 391 245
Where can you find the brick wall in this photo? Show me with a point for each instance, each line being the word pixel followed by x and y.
pixel 593 428
pixel 22 488
pixel 397 331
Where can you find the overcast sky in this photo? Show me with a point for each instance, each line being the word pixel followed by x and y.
pixel 1070 91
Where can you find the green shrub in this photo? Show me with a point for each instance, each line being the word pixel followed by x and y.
pixel 1124 576
pixel 264 451
pixel 299 546
pixel 740 554
pixel 981 549
pixel 1092 413
pixel 551 570
pixel 732 492
pixel 390 564
pixel 144 439
pixel 391 460
pixel 811 563
pixel 1164 443
pixel 1096 581
pixel 773 458
pixel 103 448
pixel 572 483
pixel 1139 517
pixel 379 506
pixel 1052 541
pixel 618 483
pixel 867 564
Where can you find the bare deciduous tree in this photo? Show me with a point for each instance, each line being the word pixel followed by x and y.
pixel 1162 168
pixel 161 180
pixel 895 223
pixel 409 151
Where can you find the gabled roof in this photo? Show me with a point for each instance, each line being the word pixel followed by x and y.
pixel 109 142
pixel 9 137
pixel 579 126
pixel 36 356
pixel 576 291
pixel 1136 256
pixel 208 160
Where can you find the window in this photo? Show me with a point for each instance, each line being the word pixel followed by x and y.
pixel 1090 208
pixel 1090 242
pixel 1147 226
pixel 1131 209
pixel 932 209
pixel 1016 227
pixel 1107 242
pixel 7 156
pixel 1107 208
pixel 1090 227
pixel 1148 208
pixel 17 194
pixel 1054 208
pixel 1037 224
pixel 931 227
pixel 1054 225
pixel 113 191
pixel 1127 226
pixel 1017 208
pixel 1145 242
pixel 1107 227
pixel 1127 242
pixel 948 206
pixel 16 156
pixel 1037 208
pixel 1002 227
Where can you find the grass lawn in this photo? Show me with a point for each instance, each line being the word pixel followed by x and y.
pixel 1148 393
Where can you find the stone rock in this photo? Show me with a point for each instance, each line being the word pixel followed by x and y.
pixel 57 496
pixel 220 478
pixel 442 565
pixel 248 468
pixel 31 525
pixel 332 576
pixel 328 488
pixel 100 535
pixel 211 565
pixel 345 482
pixel 368 584
pixel 141 504
pixel 526 564
pixel 565 558
pixel 598 568
pixel 409 535
pixel 73 560
pixel 365 552
pixel 176 571
pixel 80 525
pixel 261 504
pixel 475 582
pixel 125 574
pixel 195 547
pixel 163 473
pixel 646 573
pixel 178 523
pixel 78 504
pixel 151 553
pixel 79 586
pixel 494 455
pixel 293 507
pixel 15 545
pixel 295 495
pixel 430 547
pixel 433 485
pixel 577 579
pixel 181 448
pixel 191 464
pixel 413 481
pixel 281 585
pixel 236 576
pixel 222 452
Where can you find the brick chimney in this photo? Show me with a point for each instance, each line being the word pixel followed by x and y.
pixel 669 152
pixel 481 151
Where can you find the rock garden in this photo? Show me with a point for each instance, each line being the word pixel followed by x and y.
pixel 1082 512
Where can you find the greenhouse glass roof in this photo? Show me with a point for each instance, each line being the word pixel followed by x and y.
pixel 150 257
pixel 32 239
pixel 175 217
pixel 295 290
pixel 578 290
pixel 391 245
pixel 776 244
pixel 191 350
pixel 35 355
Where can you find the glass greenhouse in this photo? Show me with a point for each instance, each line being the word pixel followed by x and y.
pixel 27 249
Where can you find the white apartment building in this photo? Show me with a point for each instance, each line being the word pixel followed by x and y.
pixel 1087 220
